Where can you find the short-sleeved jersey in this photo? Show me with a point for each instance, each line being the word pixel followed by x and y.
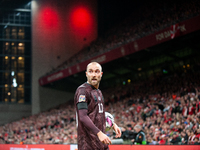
pixel 87 95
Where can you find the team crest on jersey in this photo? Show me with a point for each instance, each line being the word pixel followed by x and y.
pixel 81 98
pixel 99 98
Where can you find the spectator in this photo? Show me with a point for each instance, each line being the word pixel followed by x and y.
pixel 140 137
pixel 175 139
pixel 162 140
pixel 184 138
pixel 196 141
pixel 150 141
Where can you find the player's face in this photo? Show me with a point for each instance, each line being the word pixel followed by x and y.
pixel 94 74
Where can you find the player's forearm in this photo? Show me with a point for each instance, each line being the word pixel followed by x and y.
pixel 114 124
pixel 87 122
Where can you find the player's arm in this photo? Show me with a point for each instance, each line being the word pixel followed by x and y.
pixel 81 99
pixel 87 122
pixel 103 138
pixel 114 125
pixel 117 130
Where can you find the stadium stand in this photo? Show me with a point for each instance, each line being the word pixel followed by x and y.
pixel 167 107
pixel 154 16
pixel 171 108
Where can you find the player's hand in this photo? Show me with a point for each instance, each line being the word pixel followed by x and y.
pixel 117 131
pixel 103 138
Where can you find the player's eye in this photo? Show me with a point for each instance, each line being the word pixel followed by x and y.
pixel 90 71
pixel 97 71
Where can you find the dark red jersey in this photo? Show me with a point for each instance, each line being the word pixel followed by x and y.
pixel 90 98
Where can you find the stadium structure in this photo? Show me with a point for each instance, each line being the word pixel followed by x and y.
pixel 45 46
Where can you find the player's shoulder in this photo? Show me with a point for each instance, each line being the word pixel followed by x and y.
pixel 85 86
pixel 99 90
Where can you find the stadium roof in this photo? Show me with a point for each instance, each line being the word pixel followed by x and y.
pixel 180 51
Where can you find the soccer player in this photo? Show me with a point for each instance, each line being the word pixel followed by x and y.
pixel 90 111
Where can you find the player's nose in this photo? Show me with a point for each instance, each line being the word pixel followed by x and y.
pixel 94 74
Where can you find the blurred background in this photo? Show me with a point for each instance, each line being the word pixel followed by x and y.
pixel 149 52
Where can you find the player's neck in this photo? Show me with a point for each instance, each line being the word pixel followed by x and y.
pixel 96 86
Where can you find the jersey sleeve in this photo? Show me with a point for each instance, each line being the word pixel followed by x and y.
pixel 87 121
pixel 81 98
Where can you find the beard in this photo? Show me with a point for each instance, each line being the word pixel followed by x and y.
pixel 94 82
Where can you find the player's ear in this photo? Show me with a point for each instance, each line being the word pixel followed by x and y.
pixel 86 73
pixel 101 73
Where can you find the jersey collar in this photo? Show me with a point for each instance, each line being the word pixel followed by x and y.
pixel 91 86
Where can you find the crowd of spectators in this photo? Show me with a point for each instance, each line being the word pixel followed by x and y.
pixel 56 126
pixel 147 19
pixel 167 108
